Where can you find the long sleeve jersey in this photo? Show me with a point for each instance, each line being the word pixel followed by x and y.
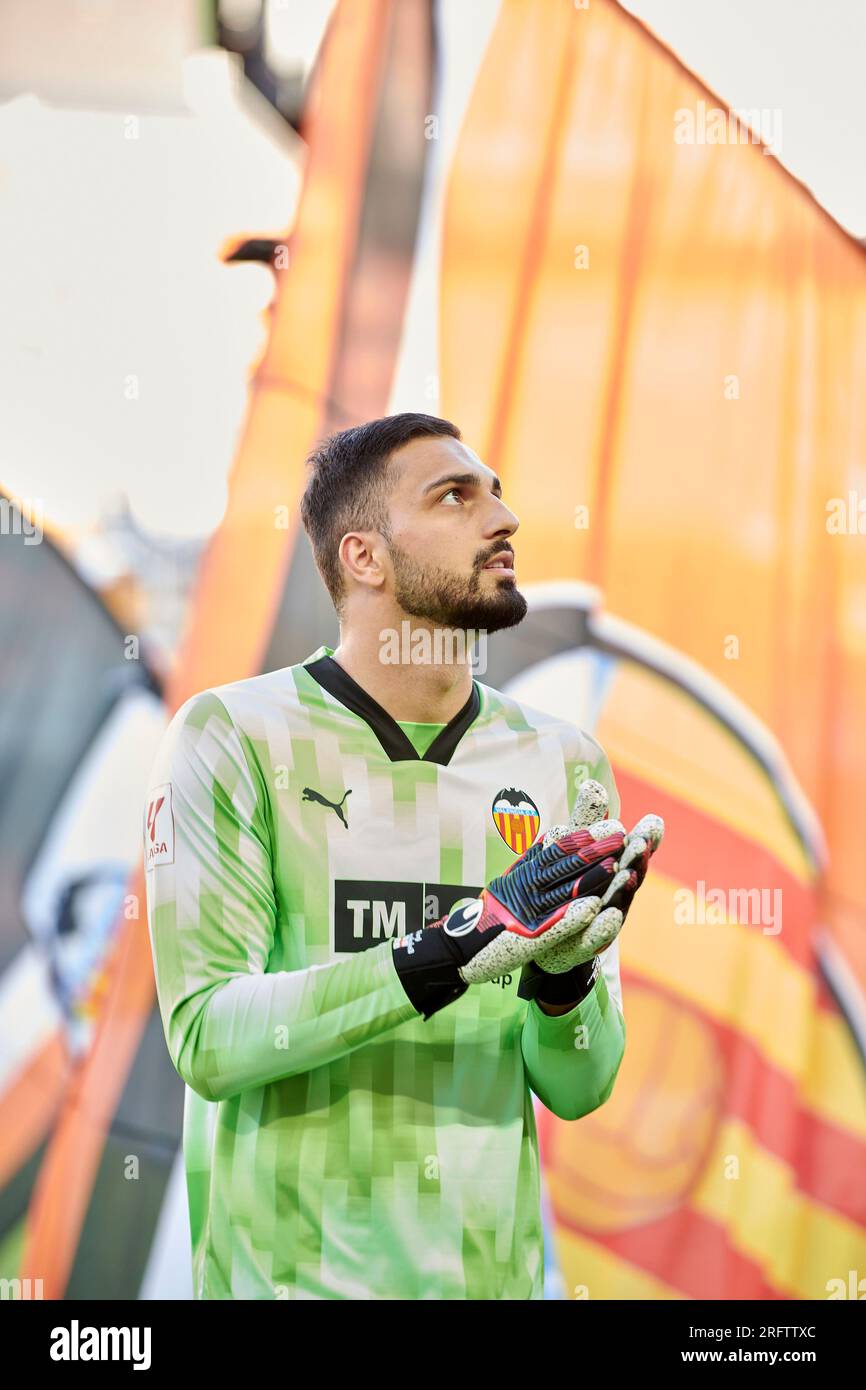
pixel 337 1145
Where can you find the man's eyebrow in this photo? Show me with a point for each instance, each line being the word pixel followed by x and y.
pixel 465 480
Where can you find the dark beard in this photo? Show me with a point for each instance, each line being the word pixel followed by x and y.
pixel 425 591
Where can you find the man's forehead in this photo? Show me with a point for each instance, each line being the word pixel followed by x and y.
pixel 431 455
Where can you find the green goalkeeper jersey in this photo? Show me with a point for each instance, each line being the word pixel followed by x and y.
pixel 337 1145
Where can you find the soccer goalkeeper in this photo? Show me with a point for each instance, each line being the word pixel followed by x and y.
pixel 378 892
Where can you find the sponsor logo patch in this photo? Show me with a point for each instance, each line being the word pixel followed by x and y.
pixel 368 911
pixel 159 828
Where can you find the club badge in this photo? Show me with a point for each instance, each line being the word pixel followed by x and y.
pixel 516 817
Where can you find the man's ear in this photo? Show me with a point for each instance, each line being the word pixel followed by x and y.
pixel 359 553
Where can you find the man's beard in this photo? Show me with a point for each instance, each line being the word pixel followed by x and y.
pixel 449 600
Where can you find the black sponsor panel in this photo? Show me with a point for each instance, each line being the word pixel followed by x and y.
pixel 439 898
pixel 369 911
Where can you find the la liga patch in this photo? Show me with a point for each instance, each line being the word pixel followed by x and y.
pixel 159 828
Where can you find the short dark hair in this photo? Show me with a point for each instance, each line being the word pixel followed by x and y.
pixel 349 486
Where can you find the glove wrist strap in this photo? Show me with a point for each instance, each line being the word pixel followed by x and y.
pixel 572 986
pixel 425 962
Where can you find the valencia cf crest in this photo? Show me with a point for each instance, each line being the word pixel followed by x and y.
pixel 516 817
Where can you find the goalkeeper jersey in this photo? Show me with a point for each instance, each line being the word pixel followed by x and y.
pixel 337 1145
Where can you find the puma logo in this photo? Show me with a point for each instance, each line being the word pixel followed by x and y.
pixel 309 794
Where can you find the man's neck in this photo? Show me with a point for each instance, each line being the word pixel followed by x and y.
pixel 422 692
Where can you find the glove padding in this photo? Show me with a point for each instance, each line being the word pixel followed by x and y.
pixel 544 898
pixel 550 893
pixel 639 844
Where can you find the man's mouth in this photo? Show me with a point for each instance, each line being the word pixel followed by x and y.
pixel 503 563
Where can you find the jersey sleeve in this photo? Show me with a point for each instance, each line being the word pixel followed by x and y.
pixel 229 1023
pixel 572 1059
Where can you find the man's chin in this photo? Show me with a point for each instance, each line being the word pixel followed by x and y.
pixel 507 609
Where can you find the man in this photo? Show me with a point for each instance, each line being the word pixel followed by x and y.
pixel 345 869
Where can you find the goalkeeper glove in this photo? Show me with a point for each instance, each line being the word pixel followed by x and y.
pixel 547 895
pixel 568 970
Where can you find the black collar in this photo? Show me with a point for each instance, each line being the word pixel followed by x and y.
pixel 330 674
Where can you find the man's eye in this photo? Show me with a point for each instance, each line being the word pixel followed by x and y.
pixel 452 490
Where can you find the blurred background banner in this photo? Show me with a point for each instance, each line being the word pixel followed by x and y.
pixel 532 223
pixel 666 342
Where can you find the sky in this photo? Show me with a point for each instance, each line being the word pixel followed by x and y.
pixel 126 345
pixel 125 342
pixel 803 60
